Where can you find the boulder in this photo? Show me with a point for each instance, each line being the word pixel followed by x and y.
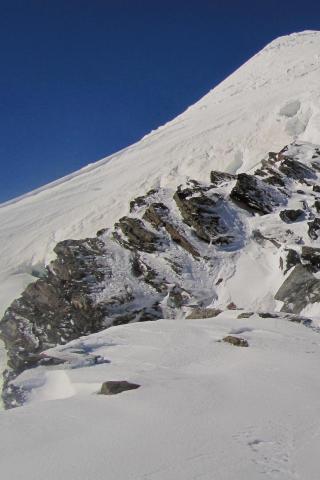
pixel 117 386
pixel 296 170
pixel 268 315
pixel 236 341
pixel 298 290
pixel 290 216
pixel 256 195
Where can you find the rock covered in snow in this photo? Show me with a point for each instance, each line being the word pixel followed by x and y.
pixel 176 253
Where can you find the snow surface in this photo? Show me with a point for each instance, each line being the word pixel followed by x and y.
pixel 268 102
pixel 205 409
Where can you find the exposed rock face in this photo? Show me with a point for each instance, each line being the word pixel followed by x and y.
pixel 314 228
pixel 298 290
pixel 58 308
pixel 157 215
pixel 218 178
pixel 296 170
pixel 138 235
pixel 311 257
pixel 292 259
pixel 256 195
pixel 202 213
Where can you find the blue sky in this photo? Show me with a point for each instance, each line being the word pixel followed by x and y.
pixel 81 79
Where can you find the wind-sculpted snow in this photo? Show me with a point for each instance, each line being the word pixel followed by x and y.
pixel 205 408
pixel 267 103
pixel 243 241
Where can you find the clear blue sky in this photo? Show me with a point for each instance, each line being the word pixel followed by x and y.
pixel 81 79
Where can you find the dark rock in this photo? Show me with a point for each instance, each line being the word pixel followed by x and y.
pixel 276 180
pixel 157 215
pixel 298 290
pixel 317 205
pixel 219 178
pixel 236 341
pixel 58 308
pixel 232 306
pixel 177 297
pixel 202 214
pixel 316 164
pixel 316 188
pixel 138 235
pixel 290 216
pixel 256 195
pixel 198 313
pixel 307 322
pixel 142 200
pixel 268 315
pixel 296 170
pixel 314 227
pixel 245 315
pixel 311 256
pixel 115 387
pixel 292 259
pixel 261 173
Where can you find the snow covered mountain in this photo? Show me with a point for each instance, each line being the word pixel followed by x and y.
pixel 266 104
pixel 199 226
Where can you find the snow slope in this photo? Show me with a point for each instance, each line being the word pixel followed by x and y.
pixel 271 100
pixel 205 409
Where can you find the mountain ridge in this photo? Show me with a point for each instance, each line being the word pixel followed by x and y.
pixel 178 252
pixel 230 129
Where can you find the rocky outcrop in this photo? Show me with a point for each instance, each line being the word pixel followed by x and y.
pixel 314 228
pixel 298 290
pixel 292 259
pixel 219 178
pixel 168 254
pixel 311 257
pixel 296 170
pixel 256 195
pixel 139 237
pixel 157 214
pixel 202 213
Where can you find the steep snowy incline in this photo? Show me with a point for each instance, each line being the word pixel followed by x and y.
pixel 270 101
